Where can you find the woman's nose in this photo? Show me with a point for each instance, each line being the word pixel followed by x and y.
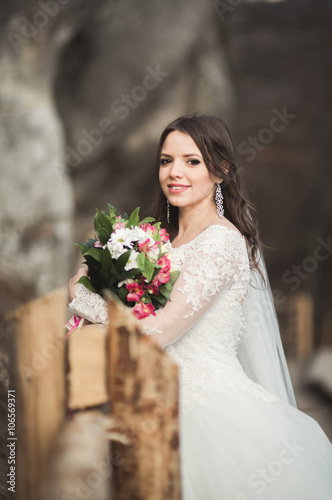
pixel 176 169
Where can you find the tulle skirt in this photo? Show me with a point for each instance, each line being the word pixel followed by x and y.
pixel 238 447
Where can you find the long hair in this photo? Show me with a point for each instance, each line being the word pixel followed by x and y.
pixel 212 137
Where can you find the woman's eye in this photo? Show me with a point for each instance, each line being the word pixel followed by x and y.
pixel 164 161
pixel 194 162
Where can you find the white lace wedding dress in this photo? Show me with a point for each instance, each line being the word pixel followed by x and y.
pixel 237 440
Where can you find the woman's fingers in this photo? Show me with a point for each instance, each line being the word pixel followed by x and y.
pixel 83 271
pixel 72 287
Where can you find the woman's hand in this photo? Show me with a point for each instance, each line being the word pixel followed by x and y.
pixel 83 271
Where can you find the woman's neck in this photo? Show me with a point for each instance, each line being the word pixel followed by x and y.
pixel 192 222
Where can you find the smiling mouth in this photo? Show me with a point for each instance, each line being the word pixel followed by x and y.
pixel 177 187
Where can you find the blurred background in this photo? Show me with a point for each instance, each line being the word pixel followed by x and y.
pixel 85 91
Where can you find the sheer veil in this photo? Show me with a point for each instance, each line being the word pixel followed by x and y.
pixel 260 351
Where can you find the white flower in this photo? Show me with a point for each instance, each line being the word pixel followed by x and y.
pixel 132 261
pixel 138 234
pixel 116 249
pixel 166 247
pixel 153 254
pixel 123 235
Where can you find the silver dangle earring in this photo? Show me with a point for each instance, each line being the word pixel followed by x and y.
pixel 168 211
pixel 219 201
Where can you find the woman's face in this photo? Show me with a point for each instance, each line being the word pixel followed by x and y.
pixel 183 175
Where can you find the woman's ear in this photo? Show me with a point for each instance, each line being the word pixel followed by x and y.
pixel 225 168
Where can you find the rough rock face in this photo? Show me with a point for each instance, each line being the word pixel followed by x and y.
pixel 133 68
pixel 85 92
pixel 36 207
pixel 36 201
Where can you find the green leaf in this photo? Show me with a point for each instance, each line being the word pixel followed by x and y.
pixel 164 291
pixel 103 235
pixel 123 292
pixel 122 261
pixel 92 263
pixel 83 247
pixel 141 261
pixel 102 220
pixel 147 219
pixel 91 242
pixel 168 286
pixel 86 282
pixel 174 277
pixel 106 264
pixel 134 218
pixel 160 298
pixel 148 270
pixel 116 275
pixel 146 299
pixel 112 210
pixel 95 253
pixel 133 273
pixel 96 278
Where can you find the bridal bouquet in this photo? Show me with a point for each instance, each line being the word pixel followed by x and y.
pixel 131 258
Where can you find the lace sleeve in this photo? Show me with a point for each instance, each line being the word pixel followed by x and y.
pixel 214 263
pixel 89 305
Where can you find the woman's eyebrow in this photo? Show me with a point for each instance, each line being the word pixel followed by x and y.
pixel 185 156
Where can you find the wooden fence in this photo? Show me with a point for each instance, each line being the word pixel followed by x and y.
pixel 97 414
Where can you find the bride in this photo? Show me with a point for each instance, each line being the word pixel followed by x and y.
pixel 241 434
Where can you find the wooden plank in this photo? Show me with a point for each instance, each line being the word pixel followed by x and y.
pixel 143 385
pixel 303 306
pixel 86 365
pixel 81 463
pixel 38 364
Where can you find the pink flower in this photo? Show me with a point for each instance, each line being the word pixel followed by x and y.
pixel 165 264
pixel 135 292
pixel 142 310
pixel 161 278
pixel 97 243
pixel 148 228
pixel 119 225
pixel 147 246
pixel 164 236
pixel 153 288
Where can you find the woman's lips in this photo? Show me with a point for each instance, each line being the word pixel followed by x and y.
pixel 177 188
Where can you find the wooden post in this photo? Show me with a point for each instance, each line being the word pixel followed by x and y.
pixel 143 387
pixel 303 308
pixel 295 317
pixel 86 353
pixel 38 366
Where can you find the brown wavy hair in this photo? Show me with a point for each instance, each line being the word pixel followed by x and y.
pixel 212 137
